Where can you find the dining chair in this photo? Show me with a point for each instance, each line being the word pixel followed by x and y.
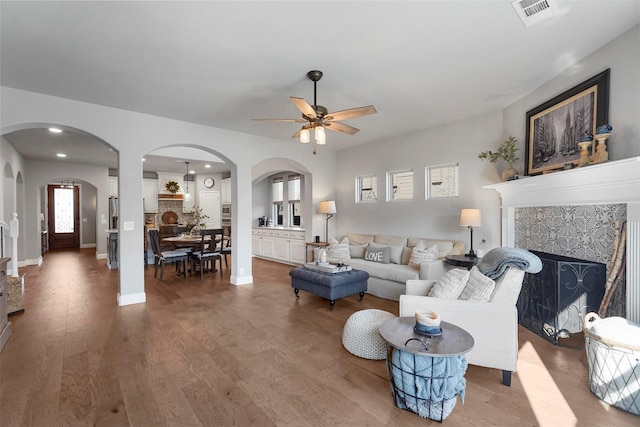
pixel 208 251
pixel 166 257
pixel 225 248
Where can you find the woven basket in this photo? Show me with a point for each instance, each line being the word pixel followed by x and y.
pixel 613 353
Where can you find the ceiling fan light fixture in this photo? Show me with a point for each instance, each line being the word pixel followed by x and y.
pixel 305 136
pixel 321 136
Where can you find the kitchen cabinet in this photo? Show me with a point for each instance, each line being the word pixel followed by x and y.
pixel 225 190
pixel 113 186
pixel 150 194
pixel 279 244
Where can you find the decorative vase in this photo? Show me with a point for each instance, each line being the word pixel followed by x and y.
pixel 196 231
pixel 509 172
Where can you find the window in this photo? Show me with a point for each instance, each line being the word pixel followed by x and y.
pixel 63 210
pixel 366 188
pixel 277 195
pixel 287 195
pixel 400 185
pixel 293 190
pixel 441 181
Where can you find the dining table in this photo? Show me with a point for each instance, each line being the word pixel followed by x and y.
pixel 186 241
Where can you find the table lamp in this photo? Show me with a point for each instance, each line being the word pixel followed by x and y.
pixel 470 218
pixel 327 207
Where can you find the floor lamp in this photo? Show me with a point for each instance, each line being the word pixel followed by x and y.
pixel 470 218
pixel 327 207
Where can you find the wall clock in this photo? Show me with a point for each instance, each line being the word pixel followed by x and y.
pixel 208 182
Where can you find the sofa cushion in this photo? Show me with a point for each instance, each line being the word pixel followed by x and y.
pixel 478 288
pixel 379 254
pixel 444 246
pixel 390 240
pixel 360 239
pixel 339 250
pixel 357 251
pixel 451 285
pixel 421 254
pixel 392 272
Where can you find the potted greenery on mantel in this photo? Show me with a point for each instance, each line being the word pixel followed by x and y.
pixel 506 152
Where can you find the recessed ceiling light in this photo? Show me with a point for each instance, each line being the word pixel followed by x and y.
pixel 207 166
pixel 192 172
pixel 144 160
pixel 55 130
pixel 61 155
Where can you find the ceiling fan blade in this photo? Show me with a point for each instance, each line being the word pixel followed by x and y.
pixel 281 120
pixel 341 127
pixel 304 106
pixel 351 113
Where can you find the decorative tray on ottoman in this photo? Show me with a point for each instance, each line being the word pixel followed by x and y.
pixel 328 267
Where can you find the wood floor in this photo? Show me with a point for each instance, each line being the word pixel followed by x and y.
pixel 207 353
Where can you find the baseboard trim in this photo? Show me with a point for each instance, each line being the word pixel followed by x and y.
pixel 241 280
pixel 101 256
pixel 131 299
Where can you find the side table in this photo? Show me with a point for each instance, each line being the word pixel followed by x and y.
pixel 426 373
pixel 314 245
pixel 461 261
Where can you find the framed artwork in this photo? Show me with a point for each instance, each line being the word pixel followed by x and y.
pixel 555 127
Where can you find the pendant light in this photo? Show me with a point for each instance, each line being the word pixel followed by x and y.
pixel 187 195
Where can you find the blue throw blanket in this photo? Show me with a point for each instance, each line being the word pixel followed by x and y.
pixel 426 385
pixel 497 260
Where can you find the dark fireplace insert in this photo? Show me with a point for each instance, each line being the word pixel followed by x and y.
pixel 553 303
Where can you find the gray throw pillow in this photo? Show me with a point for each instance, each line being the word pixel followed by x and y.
pixel 378 254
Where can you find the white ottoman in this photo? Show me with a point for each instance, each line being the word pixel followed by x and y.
pixel 361 337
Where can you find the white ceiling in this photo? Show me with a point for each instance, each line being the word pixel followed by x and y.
pixel 221 63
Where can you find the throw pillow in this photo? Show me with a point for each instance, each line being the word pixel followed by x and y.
pixel 378 254
pixel 406 255
pixel 421 254
pixel 357 251
pixel 337 250
pixel 479 287
pixel 395 252
pixel 451 285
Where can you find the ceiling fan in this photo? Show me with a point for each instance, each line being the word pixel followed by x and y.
pixel 317 118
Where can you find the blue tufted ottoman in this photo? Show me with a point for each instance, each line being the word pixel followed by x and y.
pixel 331 286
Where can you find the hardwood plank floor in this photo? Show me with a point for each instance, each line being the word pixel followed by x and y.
pixel 207 353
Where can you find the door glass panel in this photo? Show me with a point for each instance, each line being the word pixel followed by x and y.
pixel 63 210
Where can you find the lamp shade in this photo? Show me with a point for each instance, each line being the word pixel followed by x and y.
pixel 327 207
pixel 470 218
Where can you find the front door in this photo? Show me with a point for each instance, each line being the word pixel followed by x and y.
pixel 64 216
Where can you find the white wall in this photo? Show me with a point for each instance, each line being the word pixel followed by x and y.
pixel 622 56
pixel 462 141
pixel 458 142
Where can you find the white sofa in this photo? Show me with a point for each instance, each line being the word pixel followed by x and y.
pixel 493 324
pixel 389 280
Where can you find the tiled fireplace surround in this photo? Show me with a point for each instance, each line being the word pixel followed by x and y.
pixel 572 213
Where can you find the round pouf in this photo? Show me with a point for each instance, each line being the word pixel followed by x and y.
pixel 361 337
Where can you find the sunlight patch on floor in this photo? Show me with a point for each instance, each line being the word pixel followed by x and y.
pixel 546 400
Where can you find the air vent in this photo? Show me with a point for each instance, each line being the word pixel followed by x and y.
pixel 533 11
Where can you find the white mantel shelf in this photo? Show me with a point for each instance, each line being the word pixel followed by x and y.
pixel 611 182
pixel 606 183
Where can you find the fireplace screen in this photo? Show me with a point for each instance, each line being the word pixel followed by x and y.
pixel 554 302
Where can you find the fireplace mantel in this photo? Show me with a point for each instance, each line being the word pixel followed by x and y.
pixel 606 183
pixel 611 182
